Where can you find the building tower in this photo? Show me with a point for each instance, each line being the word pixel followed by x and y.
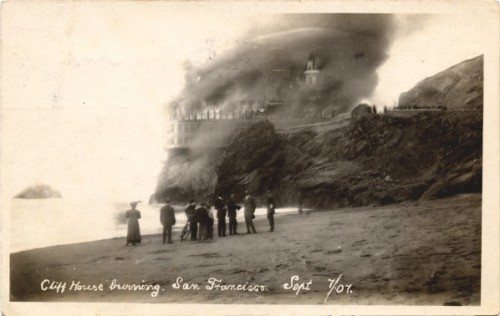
pixel 312 74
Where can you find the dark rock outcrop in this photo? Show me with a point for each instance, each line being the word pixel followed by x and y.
pixel 38 191
pixel 254 160
pixel 361 110
pixel 188 174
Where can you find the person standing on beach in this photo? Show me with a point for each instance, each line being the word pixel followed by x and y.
pixel 232 208
pixel 210 226
pixel 191 218
pixel 167 219
pixel 221 216
pixel 249 212
pixel 300 207
pixel 202 218
pixel 271 205
pixel 133 229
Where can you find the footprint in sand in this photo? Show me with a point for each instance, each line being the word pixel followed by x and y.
pixel 206 255
pixel 331 252
pixel 359 242
pixel 282 265
pixel 161 251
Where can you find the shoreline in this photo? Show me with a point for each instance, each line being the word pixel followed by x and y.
pixel 417 253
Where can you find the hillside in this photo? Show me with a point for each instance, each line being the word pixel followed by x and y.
pixel 460 86
pixel 377 160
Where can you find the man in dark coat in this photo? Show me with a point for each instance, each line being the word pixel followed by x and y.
pixel 271 205
pixel 167 219
pixel 202 218
pixel 211 220
pixel 191 217
pixel 232 208
pixel 221 216
pixel 249 212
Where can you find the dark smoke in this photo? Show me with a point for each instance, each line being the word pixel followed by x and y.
pixel 267 63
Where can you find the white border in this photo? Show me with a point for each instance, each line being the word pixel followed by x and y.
pixel 490 281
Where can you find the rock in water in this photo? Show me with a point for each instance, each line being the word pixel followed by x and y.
pixel 38 191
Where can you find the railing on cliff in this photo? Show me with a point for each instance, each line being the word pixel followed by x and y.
pixel 212 128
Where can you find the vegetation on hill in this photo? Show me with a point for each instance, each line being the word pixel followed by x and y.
pixel 460 86
pixel 376 160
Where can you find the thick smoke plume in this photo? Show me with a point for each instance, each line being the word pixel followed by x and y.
pixel 270 62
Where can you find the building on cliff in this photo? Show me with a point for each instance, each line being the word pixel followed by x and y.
pixel 285 99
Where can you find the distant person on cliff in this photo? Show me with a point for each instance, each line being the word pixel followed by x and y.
pixel 249 212
pixel 232 209
pixel 221 216
pixel 201 214
pixel 271 206
pixel 191 218
pixel 167 219
pixel 133 229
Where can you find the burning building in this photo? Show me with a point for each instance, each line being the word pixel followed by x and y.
pixel 287 97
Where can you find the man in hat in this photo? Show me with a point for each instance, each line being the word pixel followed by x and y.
pixel 201 214
pixel 191 218
pixel 221 216
pixel 167 219
pixel 210 226
pixel 232 208
pixel 249 212
pixel 271 205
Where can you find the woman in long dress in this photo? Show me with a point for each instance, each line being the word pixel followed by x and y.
pixel 133 231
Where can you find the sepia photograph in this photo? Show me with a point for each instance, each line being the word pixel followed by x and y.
pixel 249 158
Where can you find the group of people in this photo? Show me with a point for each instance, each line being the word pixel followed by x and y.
pixel 200 220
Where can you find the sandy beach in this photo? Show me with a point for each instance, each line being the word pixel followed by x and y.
pixel 415 253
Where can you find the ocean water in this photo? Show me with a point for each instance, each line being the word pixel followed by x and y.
pixel 50 222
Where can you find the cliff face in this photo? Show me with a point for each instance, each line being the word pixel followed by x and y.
pixel 188 174
pixel 254 160
pixel 460 86
pixel 376 160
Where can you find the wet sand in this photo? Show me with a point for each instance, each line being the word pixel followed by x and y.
pixel 416 253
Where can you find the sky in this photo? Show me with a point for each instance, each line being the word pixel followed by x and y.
pixel 424 46
pixel 84 89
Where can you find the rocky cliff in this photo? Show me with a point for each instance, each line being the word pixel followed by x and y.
pixel 460 86
pixel 375 160
pixel 188 174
